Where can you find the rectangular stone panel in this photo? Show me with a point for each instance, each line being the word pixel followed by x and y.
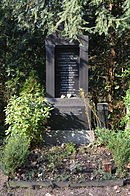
pixel 67 70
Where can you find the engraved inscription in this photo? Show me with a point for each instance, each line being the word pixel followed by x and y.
pixel 67 71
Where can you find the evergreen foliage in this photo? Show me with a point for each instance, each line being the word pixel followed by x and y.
pixel 14 154
pixel 72 15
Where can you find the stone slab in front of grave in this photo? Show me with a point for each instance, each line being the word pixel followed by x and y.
pixel 68 122
pixel 69 114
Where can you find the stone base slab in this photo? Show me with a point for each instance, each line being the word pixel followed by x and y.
pixel 56 137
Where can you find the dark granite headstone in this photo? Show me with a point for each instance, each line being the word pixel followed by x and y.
pixel 63 54
pixel 66 73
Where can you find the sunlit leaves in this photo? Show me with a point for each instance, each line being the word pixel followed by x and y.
pixel 71 18
pixel 68 15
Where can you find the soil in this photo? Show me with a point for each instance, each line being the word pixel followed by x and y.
pixel 75 164
pixel 68 164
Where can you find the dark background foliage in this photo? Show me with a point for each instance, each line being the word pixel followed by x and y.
pixel 25 25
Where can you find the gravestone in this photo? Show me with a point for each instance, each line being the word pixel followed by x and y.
pixel 66 73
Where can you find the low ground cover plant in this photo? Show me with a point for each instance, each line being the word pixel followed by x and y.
pixel 14 153
pixel 118 144
pixel 57 154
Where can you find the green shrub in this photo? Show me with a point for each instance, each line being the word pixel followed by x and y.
pixel 32 86
pixel 126 119
pixel 14 153
pixel 26 117
pixel 119 145
pixel 29 112
pixel 102 135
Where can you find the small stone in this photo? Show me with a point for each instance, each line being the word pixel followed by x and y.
pixel 90 194
pixel 62 96
pixel 23 176
pixel 19 170
pixel 34 163
pixel 48 194
pixel 115 187
pixel 64 160
pixel 118 191
pixel 72 166
pixel 16 178
pixel 92 177
pixel 18 175
pixel 39 175
pixel 62 145
pixel 36 151
pixel 69 95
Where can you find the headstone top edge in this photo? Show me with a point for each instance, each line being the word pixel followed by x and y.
pixel 57 39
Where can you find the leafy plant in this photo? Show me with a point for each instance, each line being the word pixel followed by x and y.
pixel 102 135
pixel 57 154
pixel 28 113
pixel 54 158
pixel 70 149
pixel 14 153
pixel 126 119
pixel 119 145
pixel 32 85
